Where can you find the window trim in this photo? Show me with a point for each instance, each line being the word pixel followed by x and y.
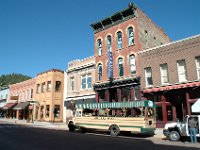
pixel 122 67
pixel 147 83
pixel 178 71
pixel 162 75
pixel 197 67
pixel 98 72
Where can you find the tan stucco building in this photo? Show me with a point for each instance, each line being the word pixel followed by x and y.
pixel 49 87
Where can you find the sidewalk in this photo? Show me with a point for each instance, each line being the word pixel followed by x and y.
pixel 56 125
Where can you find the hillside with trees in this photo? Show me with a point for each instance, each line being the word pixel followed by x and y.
pixel 13 78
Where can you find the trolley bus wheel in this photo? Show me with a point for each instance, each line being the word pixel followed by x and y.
pixel 114 130
pixel 71 126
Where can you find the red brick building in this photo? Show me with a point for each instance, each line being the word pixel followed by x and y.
pixel 170 75
pixel 117 41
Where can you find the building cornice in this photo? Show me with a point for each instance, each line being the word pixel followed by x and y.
pixel 115 19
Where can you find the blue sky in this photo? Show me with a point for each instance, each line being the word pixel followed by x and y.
pixel 38 35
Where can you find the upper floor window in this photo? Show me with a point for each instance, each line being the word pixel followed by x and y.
pixel 99 72
pixel 86 82
pixel 181 70
pixel 132 64
pixel 119 39
pixel 99 46
pixel 48 85
pixel 120 67
pixel 38 88
pixel 72 84
pixel 164 73
pixel 58 86
pixel 109 43
pixel 148 76
pixel 43 87
pixel 130 36
pixel 198 66
pixel 83 82
pixel 31 93
pixel 89 81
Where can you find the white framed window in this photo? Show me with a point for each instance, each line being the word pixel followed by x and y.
pixel 86 81
pixel 43 87
pixel 99 46
pixel 198 67
pixel 99 72
pixel 48 86
pixel 109 43
pixel 119 40
pixel 120 67
pixel 72 84
pixel 181 66
pixel 132 64
pixel 130 36
pixel 38 88
pixel 148 76
pixel 164 73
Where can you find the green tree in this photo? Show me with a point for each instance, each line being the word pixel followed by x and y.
pixel 13 78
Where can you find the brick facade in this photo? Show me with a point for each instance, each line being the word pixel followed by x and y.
pixel 175 98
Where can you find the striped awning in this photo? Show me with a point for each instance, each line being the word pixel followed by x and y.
pixel 104 105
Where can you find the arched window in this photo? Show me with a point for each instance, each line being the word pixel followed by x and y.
pixel 130 36
pixel 132 64
pixel 99 46
pixel 109 43
pixel 120 67
pixel 119 39
pixel 99 72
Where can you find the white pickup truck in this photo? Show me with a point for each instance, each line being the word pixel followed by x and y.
pixel 175 130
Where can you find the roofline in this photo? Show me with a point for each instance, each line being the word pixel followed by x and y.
pixel 133 6
pixel 171 43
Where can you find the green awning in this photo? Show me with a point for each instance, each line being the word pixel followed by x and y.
pixel 103 105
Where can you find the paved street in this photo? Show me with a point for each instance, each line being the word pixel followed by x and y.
pixel 25 137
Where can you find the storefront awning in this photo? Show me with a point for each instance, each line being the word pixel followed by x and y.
pixel 172 87
pixel 20 106
pixel 71 104
pixel 104 105
pixel 9 106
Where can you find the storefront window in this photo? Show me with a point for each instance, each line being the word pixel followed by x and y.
pixel 159 115
pixel 56 111
pixel 47 111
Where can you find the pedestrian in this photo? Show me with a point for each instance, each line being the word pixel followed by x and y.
pixel 192 129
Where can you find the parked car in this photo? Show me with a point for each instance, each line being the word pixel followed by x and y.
pixel 175 130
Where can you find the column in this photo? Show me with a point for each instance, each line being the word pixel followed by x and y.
pixel 119 94
pixel 188 111
pixel 174 113
pixel 97 96
pixel 17 114
pixel 132 93
pixel 164 109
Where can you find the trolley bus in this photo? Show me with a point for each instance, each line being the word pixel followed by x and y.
pixel 133 116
